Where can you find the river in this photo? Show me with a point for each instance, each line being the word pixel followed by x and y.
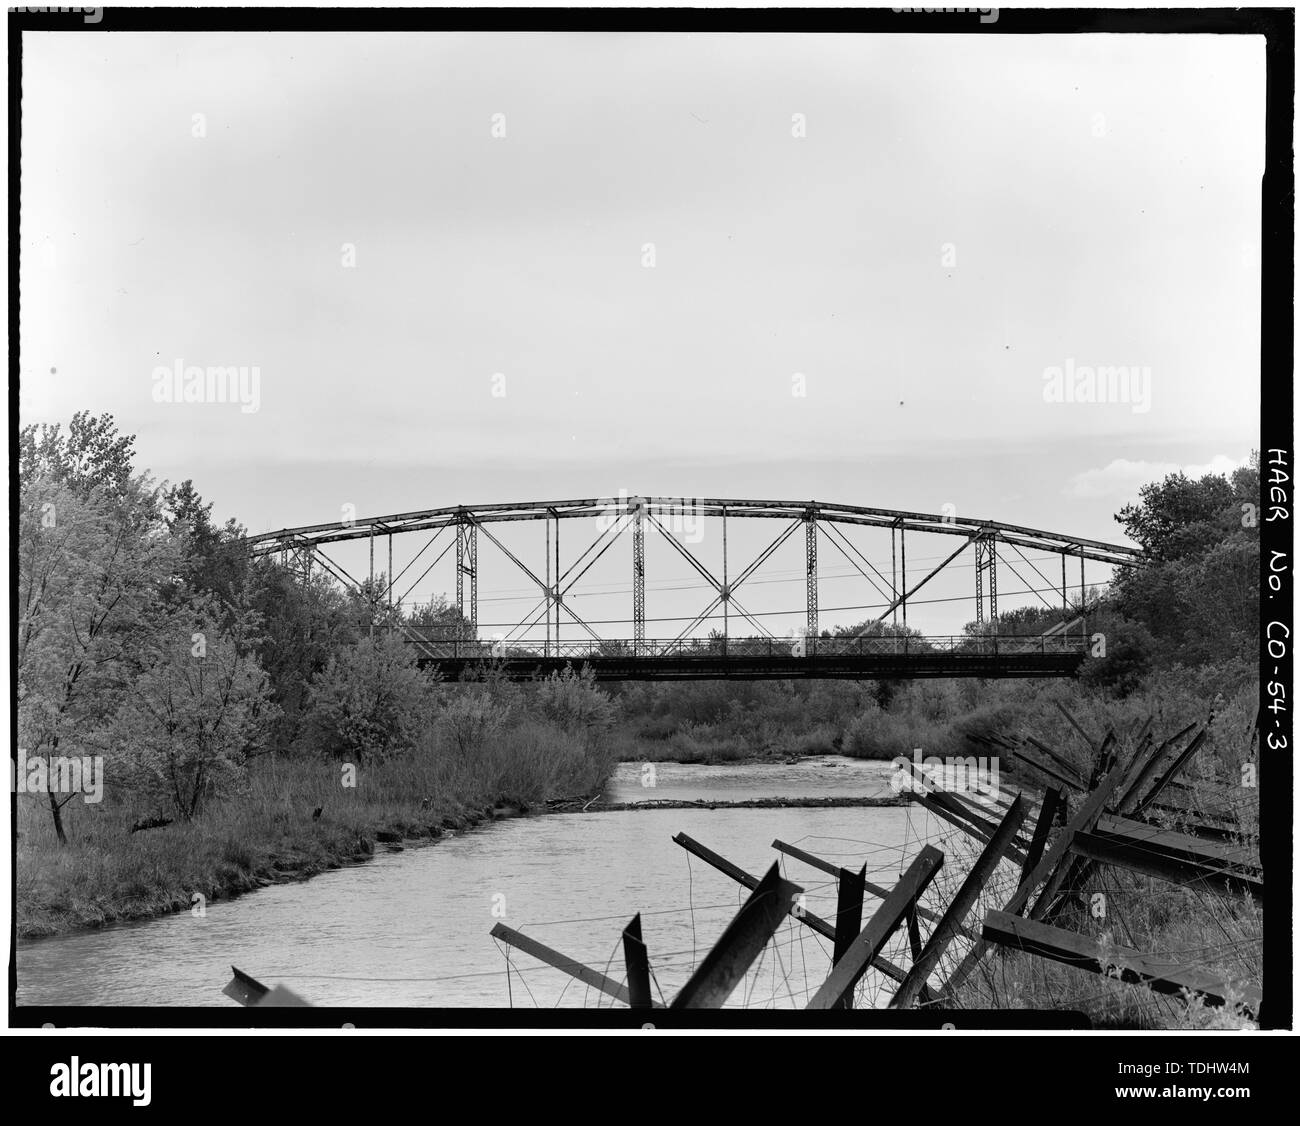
pixel 411 928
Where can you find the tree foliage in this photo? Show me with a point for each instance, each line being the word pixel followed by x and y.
pixel 93 565
pixel 370 701
pixel 197 706
pixel 1198 593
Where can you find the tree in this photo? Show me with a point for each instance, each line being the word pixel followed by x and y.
pixel 303 624
pixel 1198 592
pixel 370 701
pixel 92 456
pixel 437 620
pixel 471 716
pixel 1129 654
pixel 199 704
pixel 572 701
pixel 214 560
pixel 369 607
pixel 91 565
pixel 1178 516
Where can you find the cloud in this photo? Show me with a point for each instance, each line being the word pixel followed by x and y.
pixel 1123 478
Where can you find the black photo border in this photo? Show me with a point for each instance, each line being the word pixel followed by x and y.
pixel 1275 25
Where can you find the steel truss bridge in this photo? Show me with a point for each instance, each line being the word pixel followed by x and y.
pixel 881 650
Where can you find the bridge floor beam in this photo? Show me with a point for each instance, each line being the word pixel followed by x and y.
pixel 929 666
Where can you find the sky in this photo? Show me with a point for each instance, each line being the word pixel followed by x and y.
pixel 478 268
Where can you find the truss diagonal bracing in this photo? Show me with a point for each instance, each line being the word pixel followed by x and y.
pixel 724 637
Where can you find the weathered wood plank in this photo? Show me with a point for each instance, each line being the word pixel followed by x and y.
pixel 1133 790
pixel 1051 772
pixel 1177 765
pixel 1118 962
pixel 880 927
pixel 1066 766
pixel 811 921
pixel 944 812
pixel 722 969
pixel 1042 828
pixel 923 964
pixel 248 991
pixel 1105 760
pixel 1182 845
pixel 1225 882
pixel 875 889
pixel 848 915
pixel 1044 870
pixel 637 962
pixel 570 966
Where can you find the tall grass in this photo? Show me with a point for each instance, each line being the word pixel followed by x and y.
pixel 1177 925
pixel 1182 926
pixel 267 832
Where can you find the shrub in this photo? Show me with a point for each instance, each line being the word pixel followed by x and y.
pixel 471 718
pixel 370 701
pixel 572 701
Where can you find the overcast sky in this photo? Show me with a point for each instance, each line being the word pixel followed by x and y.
pixel 960 215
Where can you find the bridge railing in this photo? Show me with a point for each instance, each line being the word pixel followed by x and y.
pixel 748 647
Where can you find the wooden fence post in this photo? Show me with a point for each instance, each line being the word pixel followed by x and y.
pixel 962 902
pixel 879 929
pixel 638 965
pixel 717 976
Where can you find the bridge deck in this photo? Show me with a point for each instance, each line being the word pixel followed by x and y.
pixel 872 658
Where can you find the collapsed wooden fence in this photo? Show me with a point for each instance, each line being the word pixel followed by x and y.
pixel 1120 815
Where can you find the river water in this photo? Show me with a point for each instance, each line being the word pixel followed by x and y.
pixel 411 928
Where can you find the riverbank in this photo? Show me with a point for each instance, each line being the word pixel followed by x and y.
pixel 570 805
pixel 293 820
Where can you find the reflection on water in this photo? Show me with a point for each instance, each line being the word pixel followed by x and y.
pixel 411 928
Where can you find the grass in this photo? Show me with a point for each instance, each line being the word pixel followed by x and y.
pixel 1221 935
pixel 267 833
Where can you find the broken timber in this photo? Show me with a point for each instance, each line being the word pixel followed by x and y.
pixel 1052 802
pixel 717 976
pixel 1170 867
pixel 875 889
pixel 811 921
pixel 1117 962
pixel 638 966
pixel 879 929
pixel 251 993
pixel 851 889
pixel 244 989
pixel 924 961
pixel 570 966
pixel 1047 869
